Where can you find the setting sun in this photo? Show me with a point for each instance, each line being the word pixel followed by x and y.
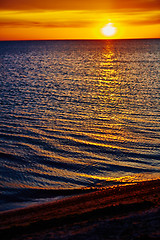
pixel 108 30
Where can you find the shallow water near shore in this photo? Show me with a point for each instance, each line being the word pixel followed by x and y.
pixel 77 114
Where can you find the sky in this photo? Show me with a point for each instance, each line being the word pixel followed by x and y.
pixel 78 19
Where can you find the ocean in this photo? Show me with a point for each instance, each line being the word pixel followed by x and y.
pixel 77 115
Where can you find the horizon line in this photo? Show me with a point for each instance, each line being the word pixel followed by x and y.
pixel 90 39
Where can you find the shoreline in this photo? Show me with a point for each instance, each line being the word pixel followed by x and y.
pixel 73 215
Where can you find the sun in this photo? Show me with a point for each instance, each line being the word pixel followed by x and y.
pixel 108 30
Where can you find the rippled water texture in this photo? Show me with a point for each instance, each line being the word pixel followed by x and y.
pixel 78 113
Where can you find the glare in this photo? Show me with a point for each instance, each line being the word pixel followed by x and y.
pixel 108 30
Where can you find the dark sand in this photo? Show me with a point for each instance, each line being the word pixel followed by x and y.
pixel 122 212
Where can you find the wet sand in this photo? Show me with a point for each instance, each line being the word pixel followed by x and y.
pixel 121 212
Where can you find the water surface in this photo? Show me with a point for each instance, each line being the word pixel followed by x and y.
pixel 77 114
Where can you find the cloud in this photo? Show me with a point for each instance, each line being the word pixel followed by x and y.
pixel 148 18
pixel 148 21
pixel 135 5
pixel 60 24
pixel 105 5
pixel 52 4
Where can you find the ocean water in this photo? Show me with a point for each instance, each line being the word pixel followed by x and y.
pixel 77 114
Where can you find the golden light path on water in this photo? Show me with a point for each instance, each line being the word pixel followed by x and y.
pixel 110 86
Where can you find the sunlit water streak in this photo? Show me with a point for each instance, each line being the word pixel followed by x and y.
pixel 77 114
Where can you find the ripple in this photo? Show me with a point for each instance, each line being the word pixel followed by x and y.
pixel 77 113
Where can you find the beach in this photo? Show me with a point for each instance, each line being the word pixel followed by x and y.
pixel 120 212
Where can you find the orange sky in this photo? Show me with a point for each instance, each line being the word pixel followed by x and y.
pixel 78 19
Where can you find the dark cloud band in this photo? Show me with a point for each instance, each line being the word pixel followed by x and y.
pixel 114 5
